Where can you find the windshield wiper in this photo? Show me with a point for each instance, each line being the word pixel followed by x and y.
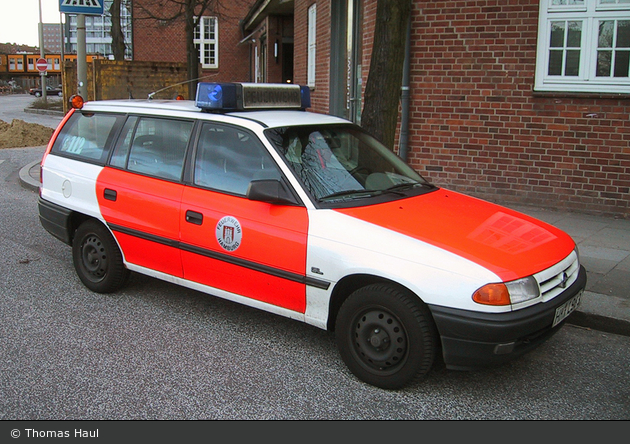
pixel 405 186
pixel 354 194
pixel 362 194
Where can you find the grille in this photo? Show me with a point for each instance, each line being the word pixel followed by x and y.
pixel 556 279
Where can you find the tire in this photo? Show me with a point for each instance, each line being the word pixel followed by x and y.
pixel 97 258
pixel 375 318
pixel 38 94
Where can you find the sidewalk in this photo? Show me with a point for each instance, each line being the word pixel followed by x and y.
pixel 604 245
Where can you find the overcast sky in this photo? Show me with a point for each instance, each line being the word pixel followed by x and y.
pixel 19 20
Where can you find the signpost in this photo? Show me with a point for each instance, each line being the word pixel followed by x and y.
pixel 81 8
pixel 42 73
pixel 42 65
pixel 87 7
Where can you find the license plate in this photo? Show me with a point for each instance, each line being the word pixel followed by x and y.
pixel 566 309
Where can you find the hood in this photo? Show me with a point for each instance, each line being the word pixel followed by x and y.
pixel 508 243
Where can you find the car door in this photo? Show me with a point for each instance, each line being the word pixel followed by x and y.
pixel 140 191
pixel 244 247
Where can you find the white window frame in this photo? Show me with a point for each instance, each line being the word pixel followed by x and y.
pixel 590 13
pixel 207 43
pixel 312 45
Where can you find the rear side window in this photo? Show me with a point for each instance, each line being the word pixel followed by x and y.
pixel 153 146
pixel 87 136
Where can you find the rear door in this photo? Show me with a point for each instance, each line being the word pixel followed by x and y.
pixel 140 192
pixel 248 248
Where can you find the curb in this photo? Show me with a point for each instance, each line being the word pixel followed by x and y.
pixel 26 179
pixel 45 112
pixel 601 312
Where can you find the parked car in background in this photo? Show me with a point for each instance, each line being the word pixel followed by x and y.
pixel 37 92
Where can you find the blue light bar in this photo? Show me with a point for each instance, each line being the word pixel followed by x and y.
pixel 216 96
pixel 251 96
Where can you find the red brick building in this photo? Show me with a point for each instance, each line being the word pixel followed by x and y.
pixel 222 57
pixel 516 101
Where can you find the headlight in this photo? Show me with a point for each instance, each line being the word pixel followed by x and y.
pixel 523 290
pixel 508 293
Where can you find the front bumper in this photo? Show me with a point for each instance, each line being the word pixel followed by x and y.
pixel 472 340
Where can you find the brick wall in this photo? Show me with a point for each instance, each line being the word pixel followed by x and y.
pixel 159 41
pixel 108 79
pixel 133 79
pixel 478 127
pixel 319 94
pixel 300 42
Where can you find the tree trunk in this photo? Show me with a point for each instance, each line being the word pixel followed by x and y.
pixel 382 91
pixel 118 38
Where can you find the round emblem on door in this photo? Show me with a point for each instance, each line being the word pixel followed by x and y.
pixel 229 233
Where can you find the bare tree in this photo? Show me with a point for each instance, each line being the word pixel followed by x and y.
pixel 382 91
pixel 118 38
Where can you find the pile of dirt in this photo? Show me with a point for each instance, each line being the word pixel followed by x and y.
pixel 19 134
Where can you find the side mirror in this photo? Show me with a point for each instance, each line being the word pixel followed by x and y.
pixel 272 191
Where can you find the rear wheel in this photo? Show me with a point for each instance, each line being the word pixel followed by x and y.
pixel 97 258
pixel 386 336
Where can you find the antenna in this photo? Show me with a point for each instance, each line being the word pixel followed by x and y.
pixel 151 95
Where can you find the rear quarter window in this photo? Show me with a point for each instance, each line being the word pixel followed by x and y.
pixel 87 137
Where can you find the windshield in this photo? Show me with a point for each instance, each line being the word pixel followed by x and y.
pixel 342 163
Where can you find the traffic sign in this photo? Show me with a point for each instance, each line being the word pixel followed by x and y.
pixel 42 65
pixel 86 7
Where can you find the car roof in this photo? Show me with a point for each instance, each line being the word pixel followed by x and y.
pixel 266 118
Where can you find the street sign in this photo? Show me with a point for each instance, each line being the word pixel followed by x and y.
pixel 41 65
pixel 86 7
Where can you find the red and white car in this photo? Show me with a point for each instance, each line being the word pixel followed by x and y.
pixel 242 194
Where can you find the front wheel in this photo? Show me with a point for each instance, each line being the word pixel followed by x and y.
pixel 97 258
pixel 386 336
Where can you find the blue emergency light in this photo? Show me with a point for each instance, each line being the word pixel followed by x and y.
pixel 222 97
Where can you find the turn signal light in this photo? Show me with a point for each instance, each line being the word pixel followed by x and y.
pixel 492 294
pixel 76 101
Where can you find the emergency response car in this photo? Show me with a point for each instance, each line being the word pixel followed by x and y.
pixel 244 195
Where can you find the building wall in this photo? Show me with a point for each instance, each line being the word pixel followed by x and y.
pixel 97 32
pixel 476 124
pixel 52 37
pixel 161 41
pixel 319 94
pixel 147 32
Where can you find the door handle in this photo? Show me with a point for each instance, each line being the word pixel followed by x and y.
pixel 194 218
pixel 109 194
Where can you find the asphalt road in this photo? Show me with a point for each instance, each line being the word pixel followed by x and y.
pixel 12 107
pixel 158 351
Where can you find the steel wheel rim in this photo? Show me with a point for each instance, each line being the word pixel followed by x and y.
pixel 379 340
pixel 94 258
